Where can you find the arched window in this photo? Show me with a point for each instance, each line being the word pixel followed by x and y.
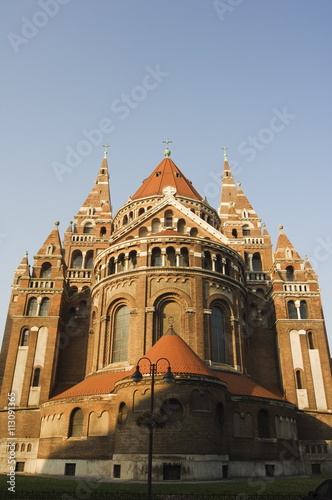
pixel 121 335
pixel 125 220
pixel 234 233
pixel 88 228
pixel 207 261
pixel 290 273
pixel 44 307
pixel 45 270
pixel 170 256
pixel 263 422
pixel 23 447
pixel 193 232
pixel 311 340
pixel 184 257
pixel 141 211
pixel 218 264
pixel 304 310
pixel 168 317
pixel 253 311
pixel 102 231
pixel 132 259
pixel 111 266
pixel 156 257
pixel 168 218
pixel 32 307
pixel 77 259
pixel 217 335
pixel 29 447
pixel 24 337
pixel 298 379
pixel 173 409
pixel 292 313
pixel 36 377
pixel 246 230
pixel 155 227
pixel 130 216
pixel 228 267
pixel 256 262
pixel 89 259
pixel 121 263
pixel 82 308
pixel 76 423
pixel 181 226
pixel 142 232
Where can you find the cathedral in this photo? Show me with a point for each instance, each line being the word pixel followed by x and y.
pixel 167 289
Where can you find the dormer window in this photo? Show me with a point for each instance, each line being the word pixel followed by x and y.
pixel 158 174
pixel 91 211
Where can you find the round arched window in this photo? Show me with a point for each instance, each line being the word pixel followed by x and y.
pixel 123 413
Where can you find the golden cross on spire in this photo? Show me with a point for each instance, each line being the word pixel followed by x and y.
pixel 167 152
pixel 106 152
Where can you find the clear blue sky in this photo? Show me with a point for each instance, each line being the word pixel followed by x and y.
pixel 254 75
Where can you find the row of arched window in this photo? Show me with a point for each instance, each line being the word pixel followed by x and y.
pixel 78 261
pixel 167 315
pixel 297 309
pixel 169 221
pixel 27 447
pixel 171 256
pixel 243 423
pixel 38 307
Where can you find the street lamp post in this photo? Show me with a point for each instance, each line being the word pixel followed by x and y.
pixel 168 378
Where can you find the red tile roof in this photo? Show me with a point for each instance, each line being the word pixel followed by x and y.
pixel 166 174
pixel 182 359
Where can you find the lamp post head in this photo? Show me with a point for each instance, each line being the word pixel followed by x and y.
pixel 137 376
pixel 169 377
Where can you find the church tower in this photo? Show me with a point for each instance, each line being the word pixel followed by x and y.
pixel 302 340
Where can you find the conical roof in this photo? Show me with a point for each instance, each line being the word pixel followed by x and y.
pixel 166 174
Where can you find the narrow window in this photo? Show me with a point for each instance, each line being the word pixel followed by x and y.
pixel 184 257
pixel 207 261
pixel 77 260
pixel 76 423
pixel 290 273
pixel 292 314
pixel 298 379
pixel 89 260
pixel 121 263
pixel 121 335
pixel 36 377
pixel 132 259
pixel 88 228
pixel 234 233
pixel 25 337
pixel 141 211
pixel 155 228
pixel 263 424
pixel 44 307
pixel 168 218
pixel 170 256
pixel 310 341
pixel 303 309
pixel 246 230
pixel 256 262
pixel 156 257
pixel 46 270
pixel 102 231
pixel 217 335
pixel 142 232
pixel 111 266
pixel 181 226
pixel 32 307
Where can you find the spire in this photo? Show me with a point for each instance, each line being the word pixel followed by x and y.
pixel 98 200
pixel 228 189
pixel 284 248
pixel 167 175
pixel 52 244
pixel 23 269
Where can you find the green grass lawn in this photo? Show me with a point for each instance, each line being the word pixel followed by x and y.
pixel 272 486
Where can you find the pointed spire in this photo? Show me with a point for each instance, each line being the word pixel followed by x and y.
pixel 23 269
pixel 284 248
pixel 228 189
pixel 52 244
pixel 98 200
